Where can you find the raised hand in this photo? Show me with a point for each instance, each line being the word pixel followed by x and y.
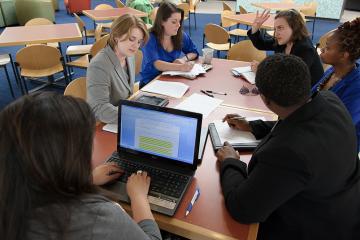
pixel 259 20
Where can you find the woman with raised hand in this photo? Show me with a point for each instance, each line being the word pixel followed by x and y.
pixel 342 50
pixel 166 44
pixel 290 37
pixel 47 187
pixel 111 73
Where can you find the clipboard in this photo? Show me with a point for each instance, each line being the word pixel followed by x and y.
pixel 217 144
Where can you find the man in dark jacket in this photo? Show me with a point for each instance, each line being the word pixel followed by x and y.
pixel 303 181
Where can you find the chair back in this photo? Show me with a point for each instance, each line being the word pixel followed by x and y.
pixel 37 57
pixel 79 22
pixel 185 7
pixel 103 6
pixel 138 61
pixel 245 51
pixel 242 10
pixel 76 88
pixel 152 14
pixel 226 7
pixel 98 32
pixel 119 4
pixel 38 21
pixel 193 5
pixel 216 34
pixel 226 22
pixel 98 45
pixel 311 10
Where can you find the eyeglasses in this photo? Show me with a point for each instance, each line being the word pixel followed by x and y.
pixel 249 92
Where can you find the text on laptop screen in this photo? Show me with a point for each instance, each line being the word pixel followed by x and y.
pixel 158 133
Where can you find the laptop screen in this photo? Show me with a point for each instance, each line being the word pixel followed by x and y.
pixel 158 133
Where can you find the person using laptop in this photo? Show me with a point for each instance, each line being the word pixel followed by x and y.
pixel 343 78
pixel 290 37
pixel 166 45
pixel 111 73
pixel 47 188
pixel 303 180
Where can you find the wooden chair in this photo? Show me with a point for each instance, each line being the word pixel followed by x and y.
pixel 310 12
pixel 226 7
pixel 37 61
pixel 77 88
pixel 245 51
pixel 41 21
pixel 217 38
pixel 242 10
pixel 193 5
pixel 104 6
pixel 87 33
pixel 119 4
pixel 237 32
pixel 138 61
pixel 83 61
pixel 186 8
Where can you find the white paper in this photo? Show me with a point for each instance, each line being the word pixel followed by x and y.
pixel 232 135
pixel 242 69
pixel 111 127
pixel 245 72
pixel 196 70
pixel 200 103
pixel 171 89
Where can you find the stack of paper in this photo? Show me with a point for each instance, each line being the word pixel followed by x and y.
pixel 171 89
pixel 200 104
pixel 195 71
pixel 244 72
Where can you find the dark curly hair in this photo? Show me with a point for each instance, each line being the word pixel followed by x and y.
pixel 348 35
pixel 284 79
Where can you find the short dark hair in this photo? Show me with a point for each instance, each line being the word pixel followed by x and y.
pixel 45 157
pixel 166 9
pixel 296 22
pixel 284 79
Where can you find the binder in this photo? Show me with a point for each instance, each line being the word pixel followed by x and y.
pixel 217 144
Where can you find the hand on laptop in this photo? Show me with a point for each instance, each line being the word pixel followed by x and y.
pixel 227 151
pixel 138 185
pixel 238 122
pixel 106 173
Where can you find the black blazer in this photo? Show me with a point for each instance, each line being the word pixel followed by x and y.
pixel 302 48
pixel 303 180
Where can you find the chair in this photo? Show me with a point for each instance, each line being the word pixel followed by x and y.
pixel 242 10
pixel 83 61
pixel 217 38
pixel 4 60
pixel 245 51
pixel 226 7
pixel 119 4
pixel 87 33
pixel 104 6
pixel 41 21
pixel 310 12
pixel 29 9
pixel 37 61
pixel 138 61
pixel 237 32
pixel 76 88
pixel 193 6
pixel 186 8
pixel 76 6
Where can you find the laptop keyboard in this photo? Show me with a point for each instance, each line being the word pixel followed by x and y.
pixel 164 182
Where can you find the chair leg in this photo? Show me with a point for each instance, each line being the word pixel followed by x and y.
pixel 203 40
pixel 313 27
pixel 189 25
pixel 9 82
pixel 25 86
pixel 19 79
pixel 65 72
pixel 14 70
pixel 195 19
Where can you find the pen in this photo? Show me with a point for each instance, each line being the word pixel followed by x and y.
pixel 220 93
pixel 238 118
pixel 208 94
pixel 194 198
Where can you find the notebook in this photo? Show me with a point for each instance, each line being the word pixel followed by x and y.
pixel 162 141
pixel 244 72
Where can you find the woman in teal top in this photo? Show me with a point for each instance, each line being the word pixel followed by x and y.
pixel 166 45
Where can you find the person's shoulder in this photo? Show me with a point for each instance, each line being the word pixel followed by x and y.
pixel 304 43
pixel 100 59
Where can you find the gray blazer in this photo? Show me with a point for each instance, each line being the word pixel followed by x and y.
pixel 108 83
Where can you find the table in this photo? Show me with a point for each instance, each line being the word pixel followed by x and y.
pixel 111 14
pixel 280 6
pixel 209 218
pixel 22 35
pixel 248 19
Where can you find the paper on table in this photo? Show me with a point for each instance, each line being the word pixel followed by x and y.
pixel 244 72
pixel 196 70
pixel 242 69
pixel 111 127
pixel 171 89
pixel 200 104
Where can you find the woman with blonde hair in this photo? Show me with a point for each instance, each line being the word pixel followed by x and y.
pixel 111 73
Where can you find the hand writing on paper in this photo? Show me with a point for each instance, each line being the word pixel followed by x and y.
pixel 237 122
pixel 106 173
pixel 259 20
pixel 227 151
pixel 180 61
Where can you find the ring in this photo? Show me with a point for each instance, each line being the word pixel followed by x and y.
pixel 139 172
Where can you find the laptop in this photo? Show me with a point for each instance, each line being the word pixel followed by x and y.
pixel 164 142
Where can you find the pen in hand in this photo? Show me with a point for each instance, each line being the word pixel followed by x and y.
pixel 193 200
pixel 208 94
